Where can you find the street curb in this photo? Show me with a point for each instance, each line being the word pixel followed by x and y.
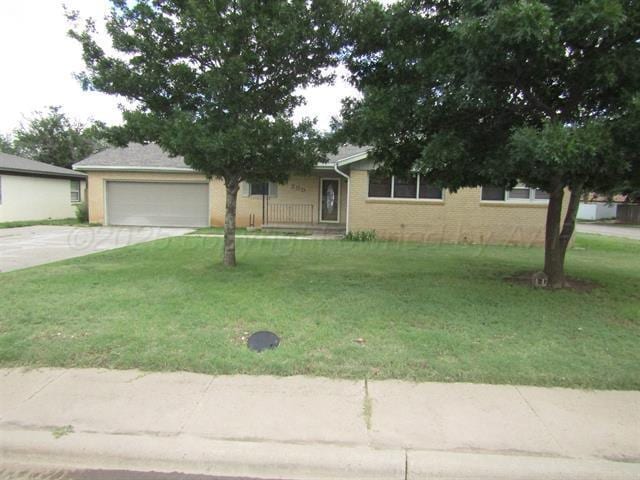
pixel 423 465
pixel 196 455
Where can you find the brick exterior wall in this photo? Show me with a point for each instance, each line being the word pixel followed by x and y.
pixel 459 218
pixel 299 190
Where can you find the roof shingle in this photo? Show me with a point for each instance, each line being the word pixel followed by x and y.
pixel 12 163
pixel 133 155
pixel 152 156
pixel 346 151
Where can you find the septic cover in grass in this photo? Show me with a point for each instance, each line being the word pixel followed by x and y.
pixel 260 341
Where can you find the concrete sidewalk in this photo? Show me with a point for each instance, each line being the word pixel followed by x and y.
pixel 613 230
pixel 314 428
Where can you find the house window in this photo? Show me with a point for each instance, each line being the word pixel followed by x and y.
pixel 260 188
pixel 493 193
pixel 429 191
pixel 379 186
pixel 411 187
pixel 75 191
pixel 406 187
pixel 0 190
pixel 519 193
pixel 541 195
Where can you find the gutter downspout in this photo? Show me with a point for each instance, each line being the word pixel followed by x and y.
pixel 339 172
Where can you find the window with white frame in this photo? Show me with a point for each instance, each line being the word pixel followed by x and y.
pixel 413 186
pixel 379 185
pixel 0 190
pixel 540 194
pixel 75 191
pixel 259 188
pixel 519 193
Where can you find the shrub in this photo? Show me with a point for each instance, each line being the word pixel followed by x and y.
pixel 82 212
pixel 361 236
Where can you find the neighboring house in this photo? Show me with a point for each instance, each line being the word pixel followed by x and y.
pixel 31 190
pixel 142 185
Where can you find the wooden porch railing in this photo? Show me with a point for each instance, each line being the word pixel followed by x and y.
pixel 293 213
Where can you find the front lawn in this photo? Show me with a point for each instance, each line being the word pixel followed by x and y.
pixel 244 231
pixel 424 312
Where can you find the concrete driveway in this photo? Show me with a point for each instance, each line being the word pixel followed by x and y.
pixel 30 246
pixel 609 230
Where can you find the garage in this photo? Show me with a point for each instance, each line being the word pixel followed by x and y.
pixel 158 204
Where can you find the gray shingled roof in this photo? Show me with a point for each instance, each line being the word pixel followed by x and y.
pixel 133 155
pixel 24 166
pixel 345 152
pixel 152 156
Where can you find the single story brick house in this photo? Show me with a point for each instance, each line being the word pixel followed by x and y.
pixel 31 190
pixel 142 185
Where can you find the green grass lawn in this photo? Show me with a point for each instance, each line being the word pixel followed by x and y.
pixel 30 223
pixel 244 231
pixel 425 312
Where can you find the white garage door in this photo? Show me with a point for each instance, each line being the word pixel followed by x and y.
pixel 158 204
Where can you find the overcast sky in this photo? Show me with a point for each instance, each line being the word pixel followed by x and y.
pixel 39 60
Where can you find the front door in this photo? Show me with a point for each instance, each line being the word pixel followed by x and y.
pixel 330 200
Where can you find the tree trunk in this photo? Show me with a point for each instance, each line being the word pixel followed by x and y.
pixel 229 257
pixel 557 237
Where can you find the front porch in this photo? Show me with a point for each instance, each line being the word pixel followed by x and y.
pixel 314 204
pixel 301 218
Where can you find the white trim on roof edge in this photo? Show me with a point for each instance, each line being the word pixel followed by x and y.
pixel 133 169
pixel 353 158
pixel 329 166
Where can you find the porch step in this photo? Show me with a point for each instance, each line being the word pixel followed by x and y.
pixel 308 228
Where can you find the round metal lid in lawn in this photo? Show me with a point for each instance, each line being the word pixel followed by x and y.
pixel 260 341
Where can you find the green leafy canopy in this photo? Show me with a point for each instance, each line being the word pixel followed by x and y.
pixel 497 92
pixel 52 137
pixel 217 81
pixel 477 92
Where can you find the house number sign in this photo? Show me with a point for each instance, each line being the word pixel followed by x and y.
pixel 298 188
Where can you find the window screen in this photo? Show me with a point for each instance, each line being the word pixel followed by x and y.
pixel 261 188
pixel 429 191
pixel 379 185
pixel 492 193
pixel 405 187
pixel 75 190
pixel 541 194
pixel 519 193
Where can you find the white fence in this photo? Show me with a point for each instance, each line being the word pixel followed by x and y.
pixel 596 211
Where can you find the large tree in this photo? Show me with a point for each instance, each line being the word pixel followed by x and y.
pixel 217 81
pixel 499 92
pixel 52 137
pixel 6 144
